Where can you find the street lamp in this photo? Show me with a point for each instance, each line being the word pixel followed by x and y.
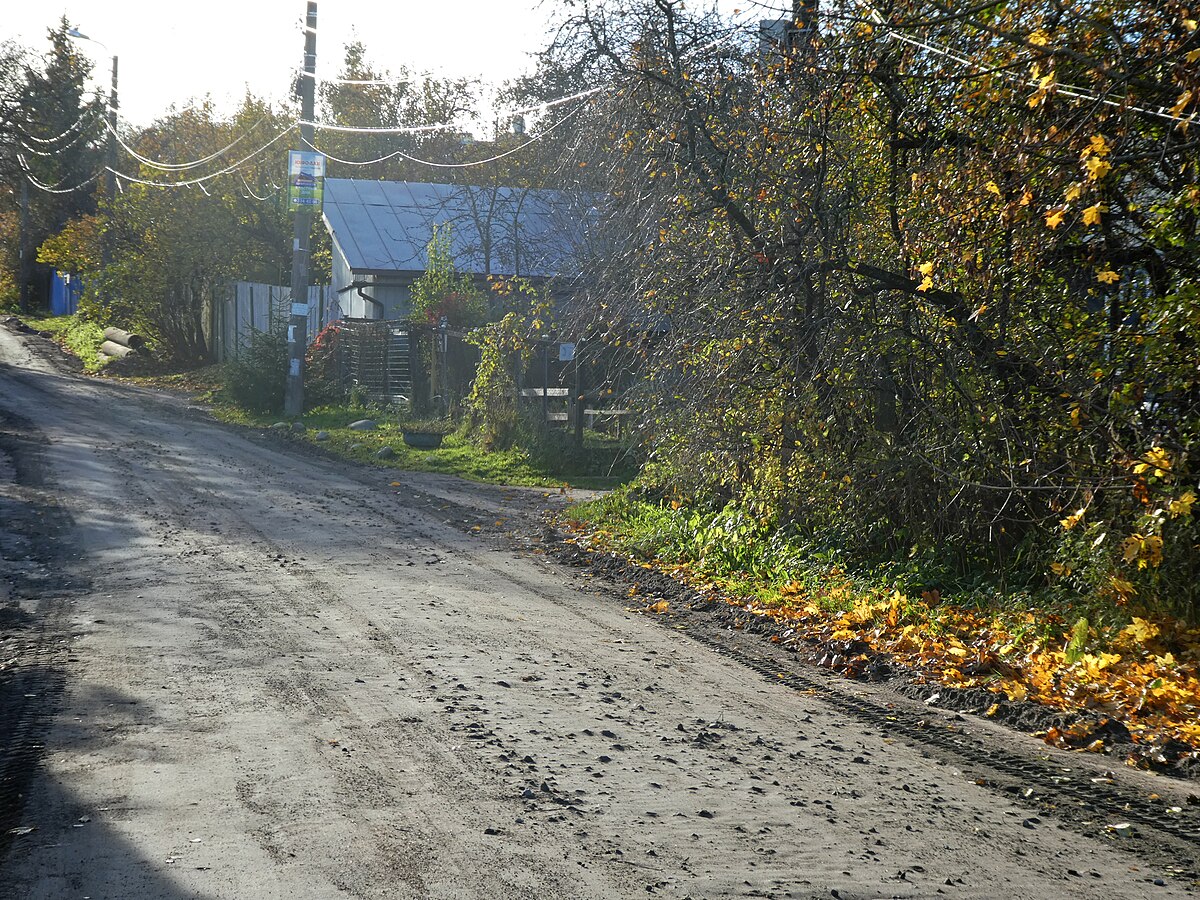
pixel 111 180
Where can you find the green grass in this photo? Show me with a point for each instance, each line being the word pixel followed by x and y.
pixel 80 337
pixel 457 456
pixel 745 559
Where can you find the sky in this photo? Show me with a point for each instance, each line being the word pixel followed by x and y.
pixel 220 47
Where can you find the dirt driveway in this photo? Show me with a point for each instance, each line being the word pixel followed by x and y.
pixel 235 669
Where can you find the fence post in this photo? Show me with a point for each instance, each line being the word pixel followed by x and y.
pixel 443 327
pixel 545 385
pixel 580 399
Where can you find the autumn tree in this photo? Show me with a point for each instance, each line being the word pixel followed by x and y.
pixel 364 96
pixel 921 283
pixel 201 204
pixel 51 139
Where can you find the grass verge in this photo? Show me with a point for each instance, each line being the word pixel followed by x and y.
pixel 457 456
pixel 1137 668
pixel 80 337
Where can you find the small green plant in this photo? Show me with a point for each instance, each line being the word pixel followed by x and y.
pixel 443 292
pixel 255 380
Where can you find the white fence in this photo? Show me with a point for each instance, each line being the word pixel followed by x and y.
pixel 245 307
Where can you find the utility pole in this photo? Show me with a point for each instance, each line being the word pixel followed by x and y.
pixel 111 160
pixel 297 332
pixel 23 246
pixel 112 133
pixel 106 241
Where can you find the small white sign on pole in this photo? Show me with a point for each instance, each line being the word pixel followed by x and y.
pixel 566 352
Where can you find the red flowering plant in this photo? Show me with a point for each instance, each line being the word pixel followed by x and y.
pixel 321 364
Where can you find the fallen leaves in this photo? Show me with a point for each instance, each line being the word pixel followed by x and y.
pixel 1141 682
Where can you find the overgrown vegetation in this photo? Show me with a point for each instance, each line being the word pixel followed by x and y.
pixel 920 287
pixel 76 334
pixel 1043 648
pixel 255 379
pixel 492 414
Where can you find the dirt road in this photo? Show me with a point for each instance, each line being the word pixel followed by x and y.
pixel 239 670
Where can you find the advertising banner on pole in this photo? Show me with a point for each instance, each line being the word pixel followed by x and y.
pixel 306 179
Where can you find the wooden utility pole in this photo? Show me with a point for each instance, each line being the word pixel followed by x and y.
pixel 297 333
pixel 106 242
pixel 23 247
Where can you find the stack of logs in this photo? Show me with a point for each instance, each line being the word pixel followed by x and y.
pixel 119 345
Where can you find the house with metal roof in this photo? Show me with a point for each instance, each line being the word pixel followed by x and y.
pixel 380 231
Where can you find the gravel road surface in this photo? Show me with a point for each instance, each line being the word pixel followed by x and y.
pixel 233 668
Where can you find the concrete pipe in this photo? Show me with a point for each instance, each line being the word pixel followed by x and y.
pixel 124 338
pixel 120 351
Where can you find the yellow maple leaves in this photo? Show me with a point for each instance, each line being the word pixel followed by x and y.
pixel 1107 276
pixel 925 269
pixel 1054 217
pixel 1097 168
pixel 1156 461
pixel 1181 102
pixel 1140 631
pixel 1044 86
pixel 1091 215
pixel 1093 157
pixel 1097 146
pixel 1073 519
pixel 1145 550
pixel 1182 506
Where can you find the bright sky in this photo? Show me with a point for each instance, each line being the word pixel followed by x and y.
pixel 173 52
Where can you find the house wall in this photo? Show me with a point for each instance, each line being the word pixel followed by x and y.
pixel 339 274
pixel 394 292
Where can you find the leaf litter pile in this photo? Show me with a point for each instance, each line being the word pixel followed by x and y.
pixel 1131 691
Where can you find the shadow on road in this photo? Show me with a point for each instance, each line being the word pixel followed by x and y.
pixel 74 851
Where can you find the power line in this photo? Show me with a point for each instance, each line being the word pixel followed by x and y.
pixel 73 127
pixel 181 167
pixel 250 190
pixel 203 178
pixel 50 153
pixel 447 126
pixel 52 189
pixel 437 165
pixel 1078 93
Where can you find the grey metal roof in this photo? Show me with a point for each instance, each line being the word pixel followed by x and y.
pixel 385 226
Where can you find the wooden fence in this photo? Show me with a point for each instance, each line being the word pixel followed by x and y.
pixel 245 307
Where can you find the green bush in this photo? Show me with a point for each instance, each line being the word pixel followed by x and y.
pixel 255 380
